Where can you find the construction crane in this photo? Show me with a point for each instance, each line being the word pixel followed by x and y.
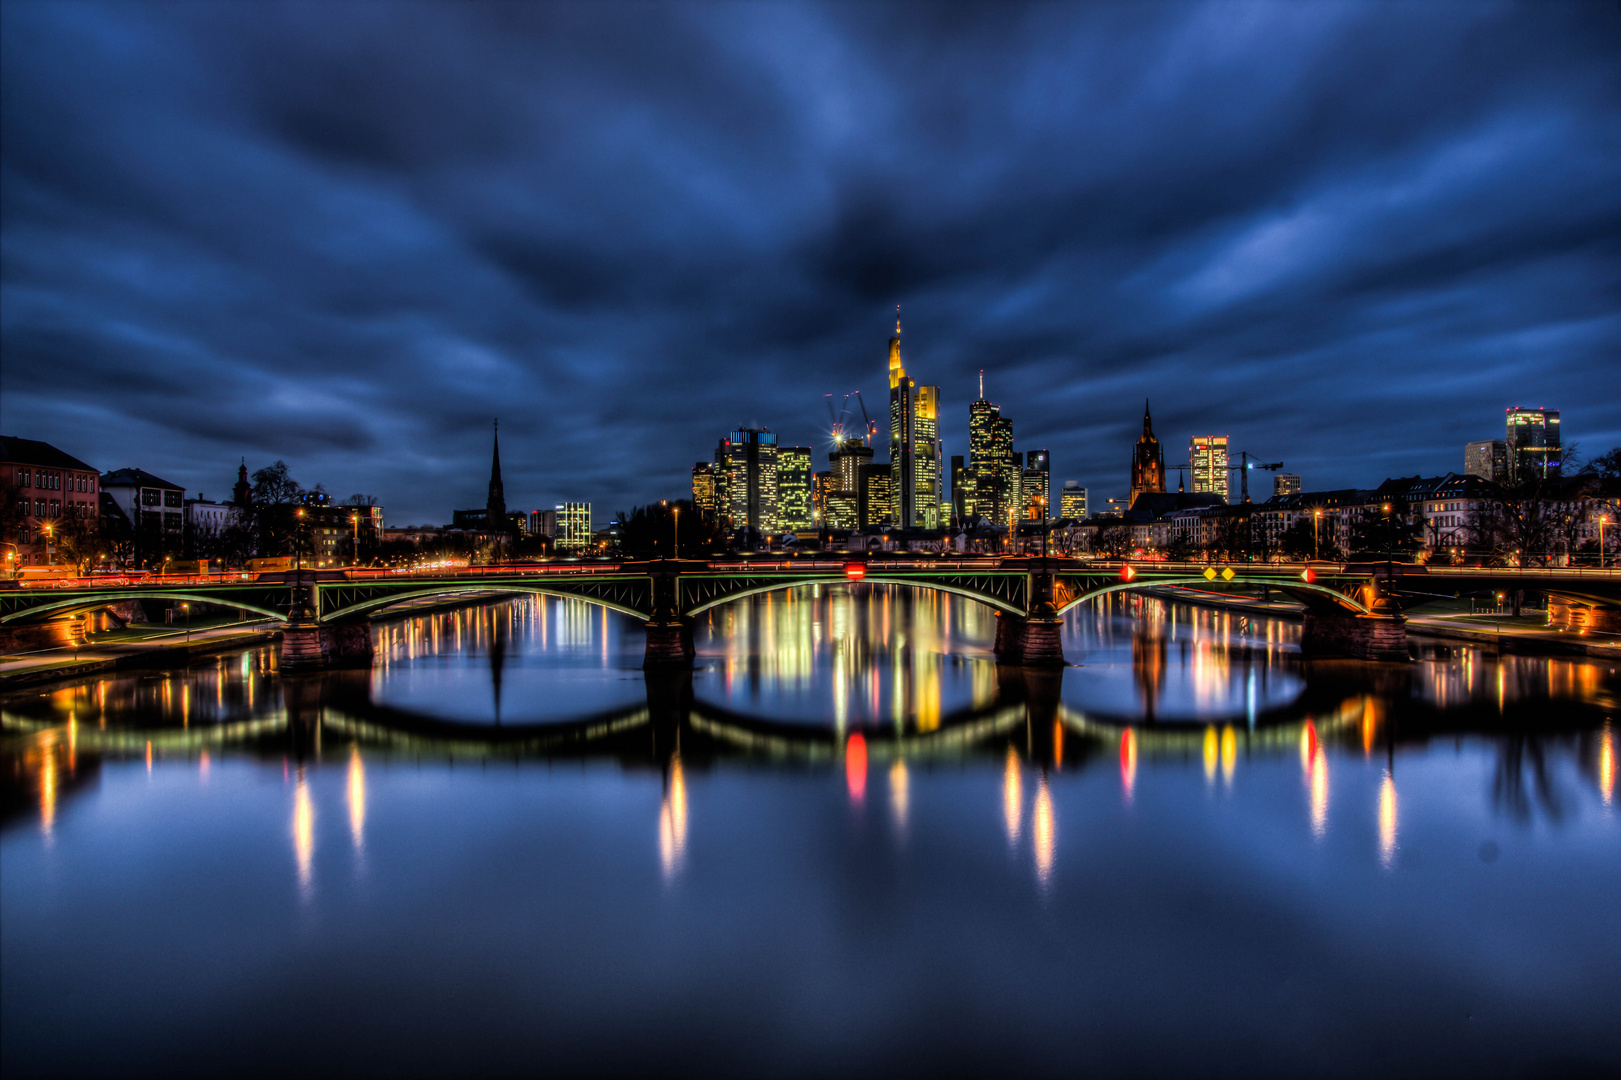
pixel 1245 465
pixel 1242 468
pixel 840 419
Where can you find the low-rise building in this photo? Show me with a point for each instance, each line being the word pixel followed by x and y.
pixel 50 487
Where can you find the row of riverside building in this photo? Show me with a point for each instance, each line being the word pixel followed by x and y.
pixel 52 501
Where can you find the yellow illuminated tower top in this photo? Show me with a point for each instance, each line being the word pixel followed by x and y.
pixel 896 371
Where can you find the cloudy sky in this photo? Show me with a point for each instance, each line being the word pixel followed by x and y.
pixel 348 235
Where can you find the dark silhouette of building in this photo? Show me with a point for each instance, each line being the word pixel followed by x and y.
pixel 242 493
pixel 1147 463
pixel 495 507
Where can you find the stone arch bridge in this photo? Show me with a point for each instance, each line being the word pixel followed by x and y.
pixel 327 613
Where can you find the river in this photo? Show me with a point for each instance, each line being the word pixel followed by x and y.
pixel 846 843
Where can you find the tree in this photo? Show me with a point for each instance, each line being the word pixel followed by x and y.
pixel 649 532
pixel 1388 533
pixel 78 542
pixel 275 498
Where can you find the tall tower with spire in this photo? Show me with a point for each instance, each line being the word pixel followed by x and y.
pixel 1147 463
pixel 495 507
pixel 914 444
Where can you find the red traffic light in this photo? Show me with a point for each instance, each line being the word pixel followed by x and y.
pixel 855 571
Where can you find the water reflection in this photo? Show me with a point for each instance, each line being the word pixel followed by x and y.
pixel 1042 831
pixel 673 819
pixel 1012 797
pixel 1387 819
pixel 303 830
pixel 357 798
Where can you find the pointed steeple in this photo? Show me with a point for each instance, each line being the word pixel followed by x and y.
pixel 242 493
pixel 1148 421
pixel 495 507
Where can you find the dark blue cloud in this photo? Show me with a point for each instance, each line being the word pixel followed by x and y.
pixel 1347 235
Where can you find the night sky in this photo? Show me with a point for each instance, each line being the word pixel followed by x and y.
pixel 348 235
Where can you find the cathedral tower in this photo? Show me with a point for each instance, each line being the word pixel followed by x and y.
pixel 1147 464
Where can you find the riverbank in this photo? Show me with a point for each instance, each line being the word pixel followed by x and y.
pixel 1523 635
pixel 165 648
pixel 145 645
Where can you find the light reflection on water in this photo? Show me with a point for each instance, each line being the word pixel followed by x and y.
pixel 847 774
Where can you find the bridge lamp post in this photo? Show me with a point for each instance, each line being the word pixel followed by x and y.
pixel 354 552
pixel 1316 516
pixel 675 532
pixel 186 607
pixel 1602 521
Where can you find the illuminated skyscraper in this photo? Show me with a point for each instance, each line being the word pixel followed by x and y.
pixel 914 445
pixel 750 455
pixel 877 495
pixel 994 480
pixel 794 488
pixel 1147 464
pixel 573 527
pixel 1285 484
pixel 1072 501
pixel 1533 444
pixel 1207 460
pixel 851 461
pixel 1036 486
pixel 703 490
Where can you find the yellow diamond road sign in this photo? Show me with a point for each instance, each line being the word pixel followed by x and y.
pixel 1210 573
pixel 1227 574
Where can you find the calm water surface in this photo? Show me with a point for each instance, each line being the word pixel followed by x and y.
pixel 846 842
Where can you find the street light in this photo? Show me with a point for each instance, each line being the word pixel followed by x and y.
pixel 186 607
pixel 1316 516
pixel 354 555
pixel 50 557
pixel 675 540
pixel 1603 520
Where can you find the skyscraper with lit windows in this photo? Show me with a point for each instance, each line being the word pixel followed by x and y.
pixel 1533 444
pixel 795 488
pixel 914 445
pixel 1207 461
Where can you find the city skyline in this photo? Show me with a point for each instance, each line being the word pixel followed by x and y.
pixel 1291 254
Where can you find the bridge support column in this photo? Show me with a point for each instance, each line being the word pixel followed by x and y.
pixel 1583 618
pixel 669 644
pixel 308 646
pixel 1030 642
pixel 1365 637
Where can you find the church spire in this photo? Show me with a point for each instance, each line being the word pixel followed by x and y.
pixel 1148 421
pixel 495 508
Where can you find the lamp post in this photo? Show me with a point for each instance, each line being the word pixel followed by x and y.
pixel 1603 520
pixel 1316 516
pixel 186 607
pixel 675 532
pixel 50 554
pixel 354 552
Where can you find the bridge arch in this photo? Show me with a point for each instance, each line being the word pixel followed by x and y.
pixel 495 592
pixel 1315 592
pixel 840 579
pixel 72 605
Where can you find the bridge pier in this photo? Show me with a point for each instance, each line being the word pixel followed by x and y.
pixel 1374 636
pixel 310 646
pixel 1028 642
pixel 1566 614
pixel 669 644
